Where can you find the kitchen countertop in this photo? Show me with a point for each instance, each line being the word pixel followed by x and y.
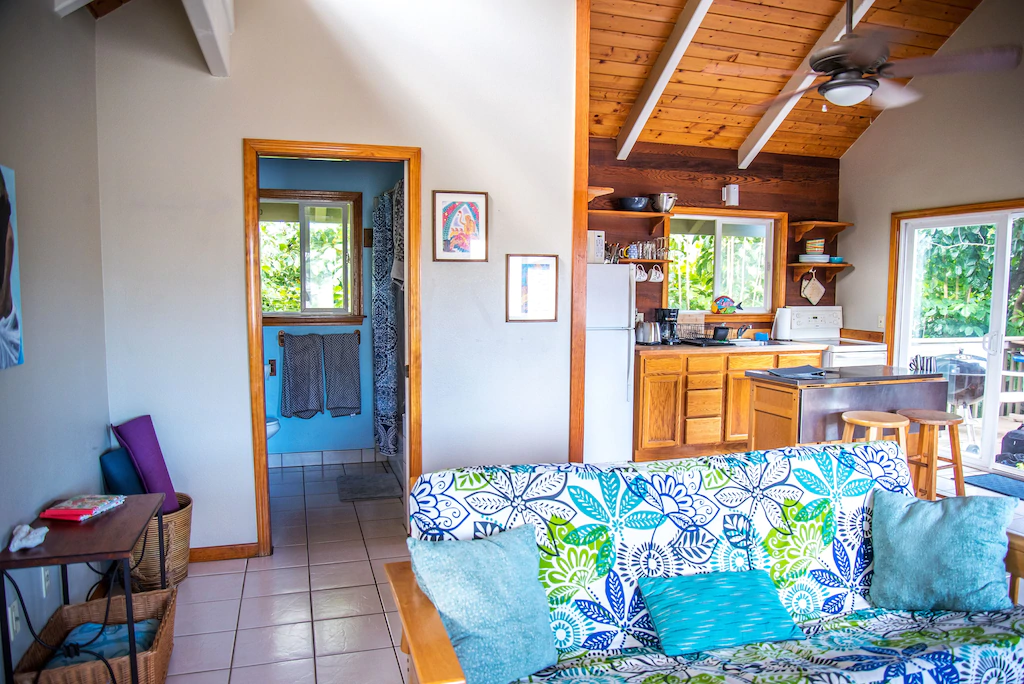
pixel 773 347
pixel 849 375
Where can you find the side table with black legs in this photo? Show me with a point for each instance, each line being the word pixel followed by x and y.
pixel 110 536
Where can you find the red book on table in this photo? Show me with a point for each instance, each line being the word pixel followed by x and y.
pixel 81 508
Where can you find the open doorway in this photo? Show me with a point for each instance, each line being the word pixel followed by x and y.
pixel 332 272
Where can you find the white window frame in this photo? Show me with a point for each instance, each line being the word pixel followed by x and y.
pixel 769 225
pixel 349 207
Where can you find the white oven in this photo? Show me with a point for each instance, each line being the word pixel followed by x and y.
pixel 822 325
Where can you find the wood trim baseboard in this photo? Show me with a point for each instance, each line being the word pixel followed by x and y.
pixel 205 554
pixel 580 222
pixel 863 335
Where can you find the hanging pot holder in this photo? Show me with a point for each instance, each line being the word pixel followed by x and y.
pixel 812 290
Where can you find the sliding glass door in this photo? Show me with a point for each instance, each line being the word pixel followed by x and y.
pixel 959 309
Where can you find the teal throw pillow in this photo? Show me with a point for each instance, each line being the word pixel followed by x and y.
pixel 490 599
pixel 716 610
pixel 940 555
pixel 113 643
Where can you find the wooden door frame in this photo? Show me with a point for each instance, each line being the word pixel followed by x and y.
pixel 252 150
pixel 895 238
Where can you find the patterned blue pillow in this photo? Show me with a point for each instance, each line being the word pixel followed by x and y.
pixel 716 610
pixel 490 599
pixel 113 643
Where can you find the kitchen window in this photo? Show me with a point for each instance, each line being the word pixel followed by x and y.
pixel 713 256
pixel 310 257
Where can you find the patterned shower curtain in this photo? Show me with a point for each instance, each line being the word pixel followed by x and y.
pixel 385 332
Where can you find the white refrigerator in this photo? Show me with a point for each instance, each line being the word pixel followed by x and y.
pixel 608 388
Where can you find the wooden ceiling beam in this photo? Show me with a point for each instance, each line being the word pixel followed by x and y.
pixel 661 73
pixel 776 114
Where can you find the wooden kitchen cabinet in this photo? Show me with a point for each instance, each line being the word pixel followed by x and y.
pixel 694 402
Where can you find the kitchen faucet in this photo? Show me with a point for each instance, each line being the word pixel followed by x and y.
pixel 742 329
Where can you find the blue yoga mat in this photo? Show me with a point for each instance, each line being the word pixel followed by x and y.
pixel 998 483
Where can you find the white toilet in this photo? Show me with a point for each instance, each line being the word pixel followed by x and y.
pixel 273 424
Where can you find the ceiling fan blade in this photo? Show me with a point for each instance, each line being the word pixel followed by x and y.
pixel 868 49
pixel 890 95
pixel 760 107
pixel 987 59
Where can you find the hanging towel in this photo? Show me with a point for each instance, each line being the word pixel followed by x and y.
pixel 341 368
pixel 302 376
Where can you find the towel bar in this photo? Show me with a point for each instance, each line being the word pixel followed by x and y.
pixel 280 338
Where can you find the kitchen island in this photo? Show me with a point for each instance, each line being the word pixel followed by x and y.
pixel 695 401
pixel 790 411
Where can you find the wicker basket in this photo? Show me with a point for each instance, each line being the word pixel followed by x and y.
pixel 152 663
pixel 177 543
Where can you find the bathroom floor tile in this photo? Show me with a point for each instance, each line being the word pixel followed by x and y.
pixel 379 510
pixel 331 516
pixel 283 557
pixel 286 489
pixel 393 527
pixel 346 635
pixel 288 518
pixel 272 582
pixel 287 503
pixel 321 487
pixel 224 567
pixel 330 500
pixel 337 552
pixel 386 547
pixel 323 473
pixel 318 534
pixel 288 535
pixel 205 618
pixel 273 644
pixel 337 575
pixel 377 566
pixel 279 609
pixel 348 602
pixel 287 672
pixel 379 666
pixel 201 652
pixel 210 588
pixel 212 677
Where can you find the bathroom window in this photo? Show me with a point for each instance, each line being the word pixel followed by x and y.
pixel 713 256
pixel 310 256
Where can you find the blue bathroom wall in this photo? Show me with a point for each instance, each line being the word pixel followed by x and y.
pixel 322 432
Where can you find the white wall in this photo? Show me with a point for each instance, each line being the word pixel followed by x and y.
pixel 53 409
pixel 962 143
pixel 485 89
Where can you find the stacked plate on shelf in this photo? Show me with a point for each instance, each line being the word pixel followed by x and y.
pixel 813 258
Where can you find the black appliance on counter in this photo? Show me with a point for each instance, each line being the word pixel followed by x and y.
pixel 668 323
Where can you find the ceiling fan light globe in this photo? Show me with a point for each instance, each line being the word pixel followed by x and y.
pixel 848 92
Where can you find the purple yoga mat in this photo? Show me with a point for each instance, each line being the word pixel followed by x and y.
pixel 138 437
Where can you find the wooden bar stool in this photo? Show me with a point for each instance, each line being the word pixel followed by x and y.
pixel 875 424
pixel 927 456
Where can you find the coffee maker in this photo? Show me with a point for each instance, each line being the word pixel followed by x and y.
pixel 668 323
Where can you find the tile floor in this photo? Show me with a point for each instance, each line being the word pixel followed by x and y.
pixel 318 611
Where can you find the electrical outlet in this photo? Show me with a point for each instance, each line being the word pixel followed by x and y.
pixel 46 581
pixel 881 322
pixel 14 618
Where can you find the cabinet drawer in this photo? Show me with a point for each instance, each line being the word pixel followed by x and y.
pixel 703 364
pixel 663 364
pixel 704 381
pixel 704 402
pixel 793 360
pixel 703 430
pixel 751 361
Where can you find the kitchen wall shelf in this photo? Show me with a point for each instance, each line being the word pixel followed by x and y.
pixel 830 229
pixel 594 192
pixel 831 270
pixel 628 214
pixel 646 261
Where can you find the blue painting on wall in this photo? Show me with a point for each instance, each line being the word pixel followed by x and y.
pixel 11 353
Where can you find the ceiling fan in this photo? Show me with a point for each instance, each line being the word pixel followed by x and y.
pixel 858 67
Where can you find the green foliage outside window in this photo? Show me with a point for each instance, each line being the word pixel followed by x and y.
pixel 280 252
pixel 953 283
pixel 691 276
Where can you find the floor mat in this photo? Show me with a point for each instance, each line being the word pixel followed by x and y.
pixel 378 486
pixel 998 483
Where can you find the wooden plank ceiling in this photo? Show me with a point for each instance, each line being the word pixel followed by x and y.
pixel 743 54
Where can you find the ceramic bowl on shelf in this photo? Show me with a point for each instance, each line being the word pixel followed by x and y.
pixel 633 203
pixel 816 246
pixel 663 201
pixel 835 260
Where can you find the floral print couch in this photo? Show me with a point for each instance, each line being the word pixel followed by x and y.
pixel 803 514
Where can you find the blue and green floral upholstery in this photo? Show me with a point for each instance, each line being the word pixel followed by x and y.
pixel 802 514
